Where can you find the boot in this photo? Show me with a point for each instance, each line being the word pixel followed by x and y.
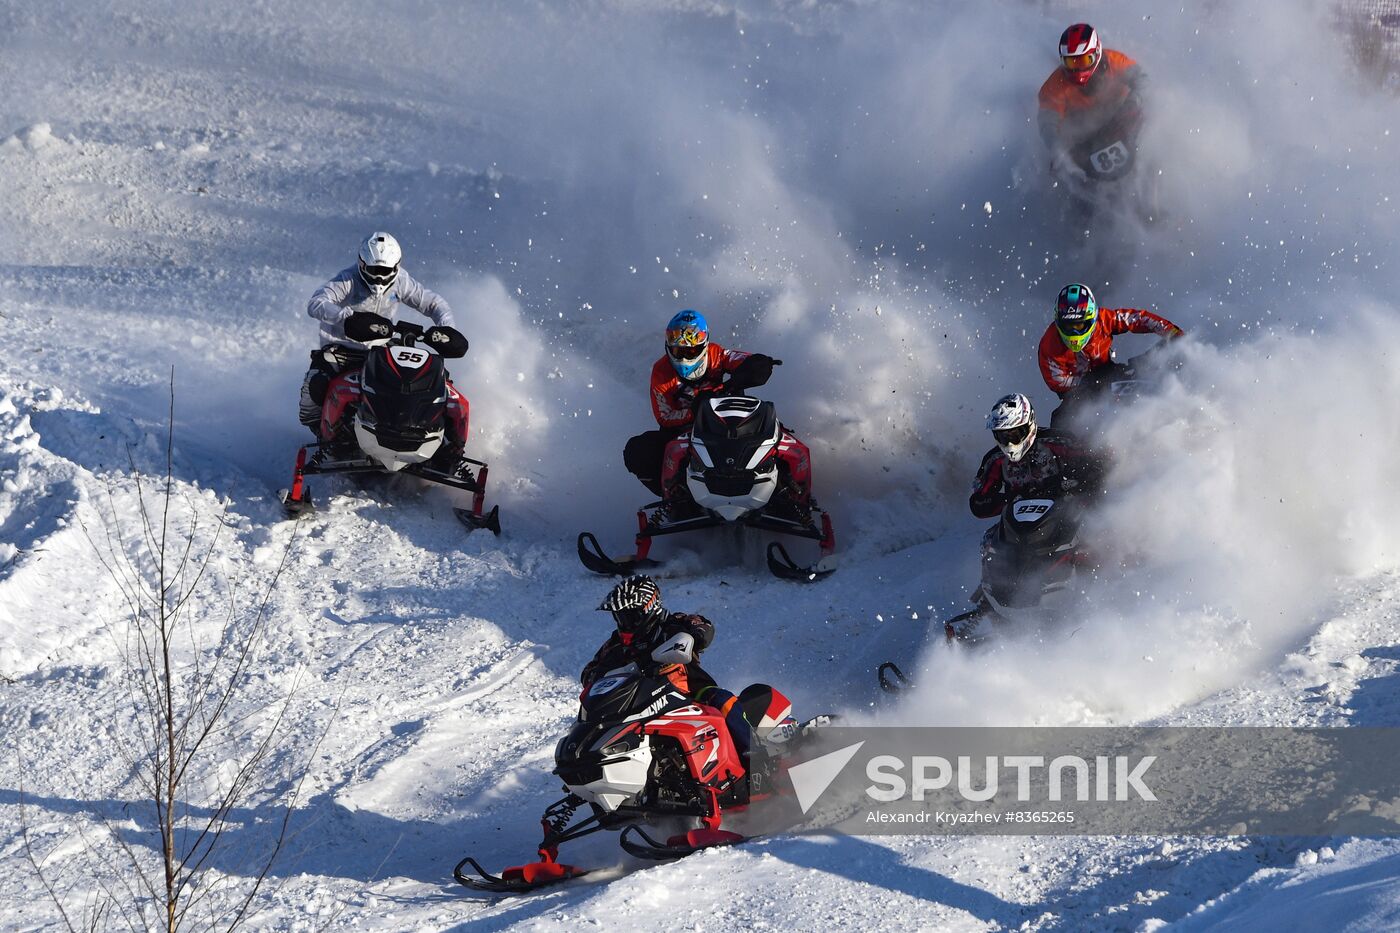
pixel 677 506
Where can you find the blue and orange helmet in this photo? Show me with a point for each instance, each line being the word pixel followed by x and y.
pixel 1076 313
pixel 687 339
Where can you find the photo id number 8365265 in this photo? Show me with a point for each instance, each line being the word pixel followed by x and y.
pixel 1039 816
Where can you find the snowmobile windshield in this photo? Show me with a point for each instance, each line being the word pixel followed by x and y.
pixel 1008 437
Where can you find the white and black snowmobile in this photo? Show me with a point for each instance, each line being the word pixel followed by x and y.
pixel 734 476
pixel 642 751
pixel 398 413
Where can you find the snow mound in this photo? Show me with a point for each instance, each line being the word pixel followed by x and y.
pixel 36 138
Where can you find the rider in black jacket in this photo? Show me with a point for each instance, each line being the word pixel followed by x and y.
pixel 669 644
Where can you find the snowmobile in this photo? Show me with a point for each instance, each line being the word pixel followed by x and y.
pixel 734 476
pixel 398 413
pixel 1029 558
pixel 641 750
pixel 1115 385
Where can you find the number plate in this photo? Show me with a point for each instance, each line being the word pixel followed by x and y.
pixel 1031 510
pixel 606 685
pixel 1110 158
pixel 411 357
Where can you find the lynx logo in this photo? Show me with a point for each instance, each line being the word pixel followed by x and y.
pixel 810 779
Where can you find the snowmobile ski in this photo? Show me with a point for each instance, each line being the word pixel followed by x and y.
pixel 491 521
pixel 892 679
pixel 782 566
pixel 294 507
pixel 677 846
pixel 472 517
pixel 520 879
pixel 296 500
pixel 592 555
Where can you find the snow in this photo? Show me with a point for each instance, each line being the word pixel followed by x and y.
pixel 568 175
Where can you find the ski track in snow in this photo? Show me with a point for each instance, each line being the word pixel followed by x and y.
pixel 178 190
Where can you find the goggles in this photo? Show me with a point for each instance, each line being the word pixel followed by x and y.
pixel 1076 328
pixel 1081 62
pixel 379 275
pixel 685 352
pixel 1009 437
pixel 631 620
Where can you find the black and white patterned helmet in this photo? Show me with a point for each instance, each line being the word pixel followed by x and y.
pixel 635 604
pixel 1012 423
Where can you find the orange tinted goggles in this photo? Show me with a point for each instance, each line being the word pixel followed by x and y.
pixel 1081 62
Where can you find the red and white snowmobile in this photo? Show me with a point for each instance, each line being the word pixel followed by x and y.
pixel 640 751
pixel 737 472
pixel 398 413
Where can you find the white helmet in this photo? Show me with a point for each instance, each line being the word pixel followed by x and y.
pixel 379 261
pixel 1012 423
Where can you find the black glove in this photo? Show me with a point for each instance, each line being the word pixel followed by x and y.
pixel 366 326
pixel 701 629
pixel 448 341
pixel 755 370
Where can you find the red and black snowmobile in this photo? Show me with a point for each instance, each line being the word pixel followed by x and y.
pixel 398 413
pixel 641 750
pixel 737 470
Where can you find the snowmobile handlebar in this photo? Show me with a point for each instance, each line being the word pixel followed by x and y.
pixel 754 371
pixel 743 378
pixel 374 330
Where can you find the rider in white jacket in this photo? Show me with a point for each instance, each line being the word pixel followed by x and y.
pixel 375 284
